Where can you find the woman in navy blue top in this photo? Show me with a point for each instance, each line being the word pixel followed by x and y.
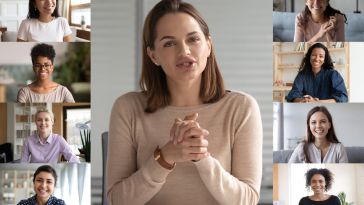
pixel 317 81
pixel 44 182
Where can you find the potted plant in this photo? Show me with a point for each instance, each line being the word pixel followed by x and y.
pixel 85 133
pixel 342 197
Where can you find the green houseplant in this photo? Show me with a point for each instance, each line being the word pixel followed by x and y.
pixel 342 197
pixel 85 134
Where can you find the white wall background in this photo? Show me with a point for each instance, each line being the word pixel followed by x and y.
pixel 19 53
pixel 356 71
pixel 241 34
pixel 346 178
pixel 12 12
pixel 347 119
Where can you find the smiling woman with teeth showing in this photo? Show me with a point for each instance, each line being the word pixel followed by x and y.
pixel 319 22
pixel 317 80
pixel 184 139
pixel 45 146
pixel 44 182
pixel 321 144
pixel 44 24
pixel 320 181
pixel 43 89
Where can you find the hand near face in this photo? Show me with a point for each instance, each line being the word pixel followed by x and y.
pixel 187 141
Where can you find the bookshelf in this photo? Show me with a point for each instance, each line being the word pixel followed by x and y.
pixel 287 58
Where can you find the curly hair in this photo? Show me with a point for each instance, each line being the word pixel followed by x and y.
pixel 327 174
pixel 306 66
pixel 43 50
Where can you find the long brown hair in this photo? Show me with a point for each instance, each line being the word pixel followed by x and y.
pixel 331 136
pixel 153 80
pixel 329 11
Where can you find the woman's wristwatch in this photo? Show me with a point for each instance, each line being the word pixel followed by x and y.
pixel 160 159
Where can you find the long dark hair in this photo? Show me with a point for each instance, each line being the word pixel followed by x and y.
pixel 331 136
pixel 33 12
pixel 329 11
pixel 153 79
pixel 306 64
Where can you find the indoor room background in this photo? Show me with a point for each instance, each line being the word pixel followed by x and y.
pixel 241 34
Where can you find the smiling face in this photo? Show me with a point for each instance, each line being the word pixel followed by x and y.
pixel 45 7
pixel 43 185
pixel 317 59
pixel 317 7
pixel 44 123
pixel 319 125
pixel 318 184
pixel 180 47
pixel 43 68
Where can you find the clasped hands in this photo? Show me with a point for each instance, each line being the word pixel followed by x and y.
pixel 309 98
pixel 187 141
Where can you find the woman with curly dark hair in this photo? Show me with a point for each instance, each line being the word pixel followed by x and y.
pixel 319 181
pixel 43 88
pixel 317 80
pixel 319 22
pixel 321 144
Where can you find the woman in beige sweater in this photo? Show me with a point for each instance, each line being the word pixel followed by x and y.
pixel 184 139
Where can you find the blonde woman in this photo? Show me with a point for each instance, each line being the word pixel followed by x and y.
pixel 45 146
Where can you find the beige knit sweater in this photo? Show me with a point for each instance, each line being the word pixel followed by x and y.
pixel 231 175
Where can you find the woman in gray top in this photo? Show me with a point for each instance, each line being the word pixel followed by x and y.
pixel 321 144
pixel 43 89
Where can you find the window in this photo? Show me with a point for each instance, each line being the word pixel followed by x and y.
pixel 80 12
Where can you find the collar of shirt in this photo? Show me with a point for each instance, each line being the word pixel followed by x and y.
pixel 33 200
pixel 48 141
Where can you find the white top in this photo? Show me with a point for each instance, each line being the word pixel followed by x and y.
pixel 335 154
pixel 53 31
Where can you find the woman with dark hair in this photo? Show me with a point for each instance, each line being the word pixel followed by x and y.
pixel 44 24
pixel 317 80
pixel 321 144
pixel 43 89
pixel 319 180
pixel 213 152
pixel 319 22
pixel 44 182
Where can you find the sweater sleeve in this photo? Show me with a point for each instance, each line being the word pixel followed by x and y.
pixel 68 98
pixel 298 29
pixel 343 157
pixel 23 30
pixel 297 88
pixel 296 156
pixel 339 92
pixel 242 185
pixel 21 97
pixel 126 184
pixel 25 153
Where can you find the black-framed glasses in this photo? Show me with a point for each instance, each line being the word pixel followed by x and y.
pixel 40 66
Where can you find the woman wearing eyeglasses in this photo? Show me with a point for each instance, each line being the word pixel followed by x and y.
pixel 43 89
